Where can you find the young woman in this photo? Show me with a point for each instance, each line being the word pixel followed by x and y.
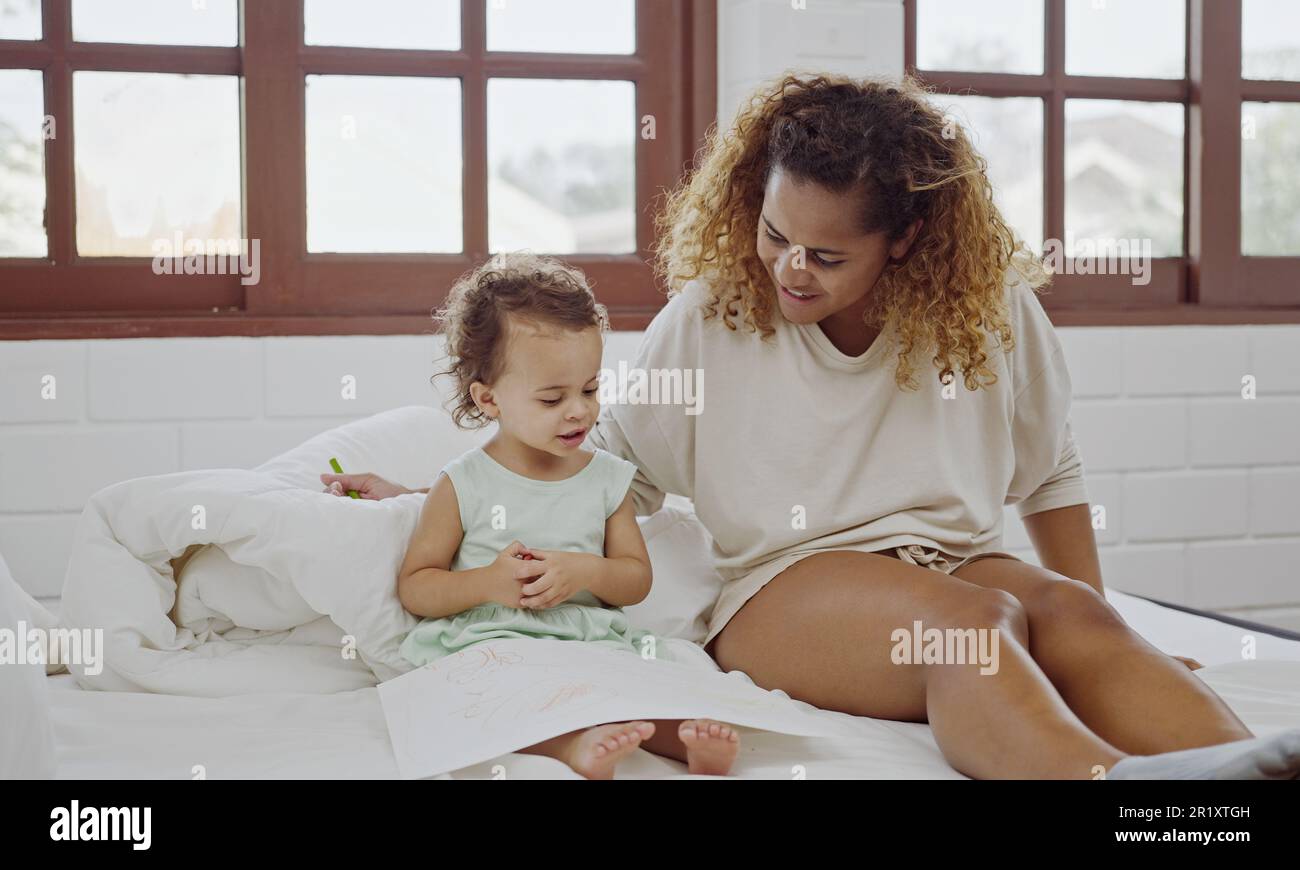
pixel 881 379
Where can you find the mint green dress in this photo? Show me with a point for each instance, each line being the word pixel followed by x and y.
pixel 498 506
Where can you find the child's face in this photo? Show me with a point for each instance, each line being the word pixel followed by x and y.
pixel 548 386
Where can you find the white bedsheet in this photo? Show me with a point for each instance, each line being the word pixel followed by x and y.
pixel 280 735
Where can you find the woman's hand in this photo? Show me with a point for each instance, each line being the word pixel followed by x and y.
pixel 367 485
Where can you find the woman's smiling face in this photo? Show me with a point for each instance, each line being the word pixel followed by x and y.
pixel 840 264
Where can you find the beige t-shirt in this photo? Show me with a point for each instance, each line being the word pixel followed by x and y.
pixel 799 448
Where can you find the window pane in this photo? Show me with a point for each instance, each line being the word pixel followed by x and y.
pixel 1133 38
pixel 1009 133
pixel 991 36
pixel 578 26
pixel 562 188
pixel 20 19
pixel 1124 173
pixel 1270 186
pixel 22 164
pixel 383 165
pixel 143 174
pixel 1270 39
pixel 425 24
pixel 156 22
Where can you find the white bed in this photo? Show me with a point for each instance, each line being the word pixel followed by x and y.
pixel 182 720
pixel 119 735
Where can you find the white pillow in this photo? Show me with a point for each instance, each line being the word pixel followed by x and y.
pixel 407 446
pixel 26 742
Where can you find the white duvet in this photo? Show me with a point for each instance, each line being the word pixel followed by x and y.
pixel 301 597
pixel 287 588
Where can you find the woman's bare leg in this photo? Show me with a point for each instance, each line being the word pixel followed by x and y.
pixel 821 631
pixel 1127 691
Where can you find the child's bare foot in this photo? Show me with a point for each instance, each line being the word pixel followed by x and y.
pixel 711 746
pixel 596 752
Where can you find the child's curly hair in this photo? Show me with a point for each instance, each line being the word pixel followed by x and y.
pixel 538 290
pixel 885 142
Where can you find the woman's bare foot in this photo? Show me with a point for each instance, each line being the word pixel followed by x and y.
pixel 711 746
pixel 596 752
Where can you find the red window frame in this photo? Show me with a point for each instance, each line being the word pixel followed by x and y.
pixel 1213 282
pixel 65 295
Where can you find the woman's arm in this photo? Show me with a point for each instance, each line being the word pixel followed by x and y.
pixel 659 439
pixel 367 485
pixel 1065 543
pixel 611 436
pixel 1047 485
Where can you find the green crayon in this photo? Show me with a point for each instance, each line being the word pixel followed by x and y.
pixel 338 469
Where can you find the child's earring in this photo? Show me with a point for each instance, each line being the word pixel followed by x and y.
pixel 478 396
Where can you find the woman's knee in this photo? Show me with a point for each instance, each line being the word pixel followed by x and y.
pixel 986 608
pixel 1063 602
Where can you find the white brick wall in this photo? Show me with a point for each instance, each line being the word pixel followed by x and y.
pixel 124 409
pixel 1201 486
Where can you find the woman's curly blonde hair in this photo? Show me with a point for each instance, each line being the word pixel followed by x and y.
pixel 533 289
pixel 884 142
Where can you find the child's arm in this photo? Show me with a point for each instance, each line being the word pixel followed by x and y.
pixel 619 578
pixel 425 584
pixel 626 575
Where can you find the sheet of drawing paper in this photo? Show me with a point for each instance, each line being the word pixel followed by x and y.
pixel 503 695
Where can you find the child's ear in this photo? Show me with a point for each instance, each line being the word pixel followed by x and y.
pixel 481 393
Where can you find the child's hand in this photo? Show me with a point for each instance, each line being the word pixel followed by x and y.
pixel 513 567
pixel 566 574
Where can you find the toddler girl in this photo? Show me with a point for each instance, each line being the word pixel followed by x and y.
pixel 532 535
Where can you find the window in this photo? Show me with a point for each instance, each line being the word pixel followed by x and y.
pixel 360 156
pixel 1119 132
